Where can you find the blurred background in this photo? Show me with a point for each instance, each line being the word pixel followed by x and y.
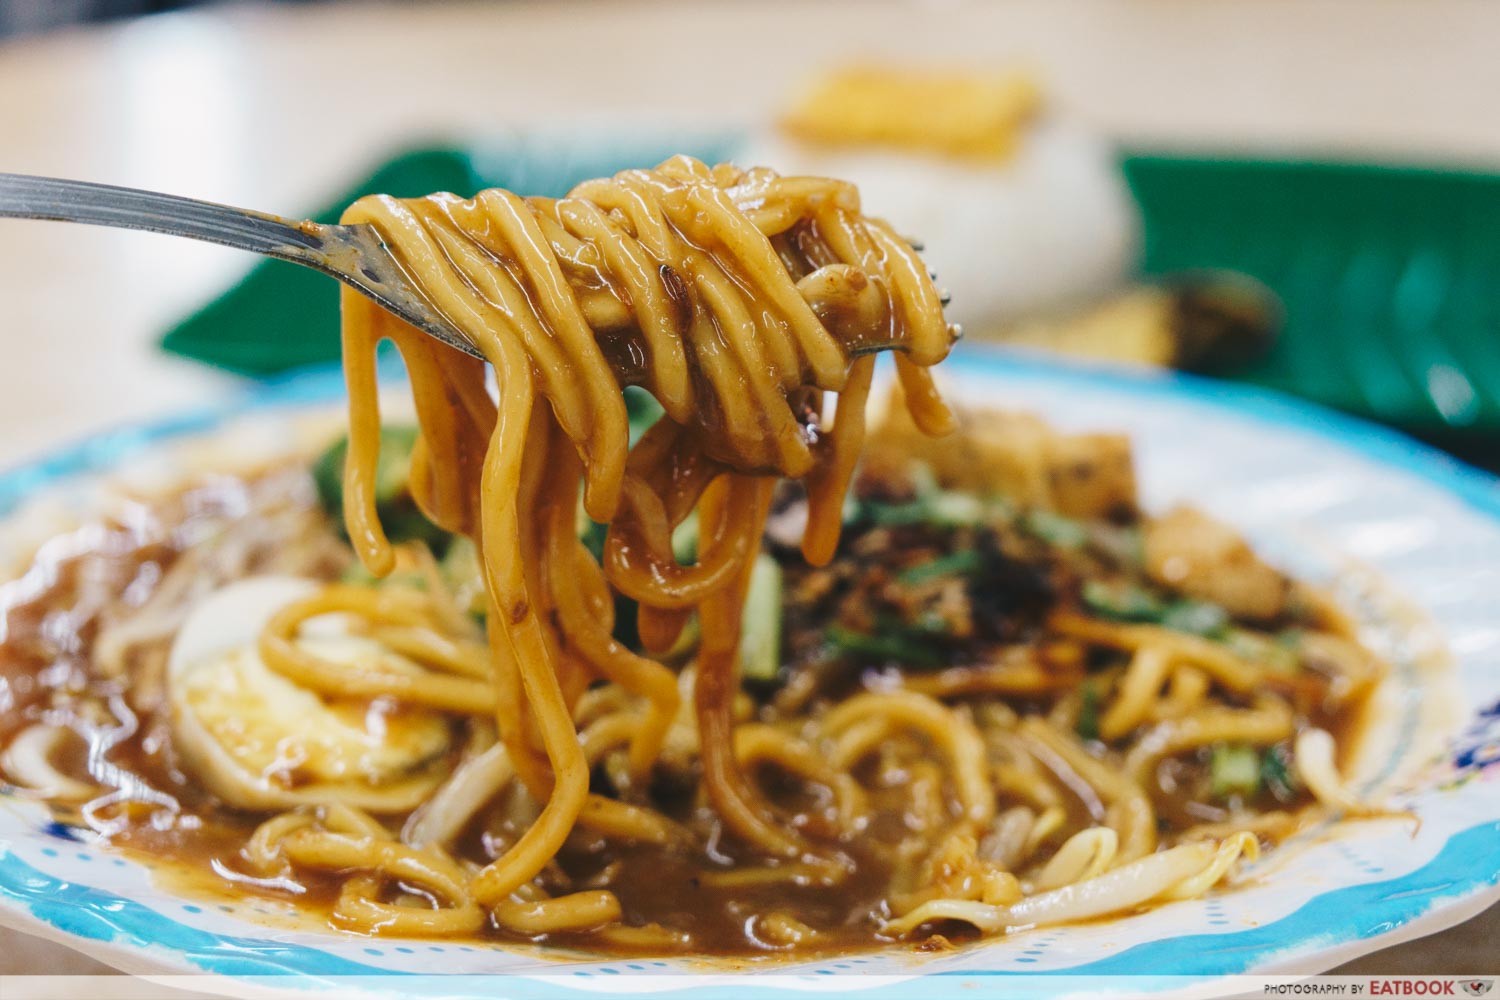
pixel 25 17
pixel 1300 195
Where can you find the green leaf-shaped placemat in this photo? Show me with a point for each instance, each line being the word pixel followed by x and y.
pixel 1390 277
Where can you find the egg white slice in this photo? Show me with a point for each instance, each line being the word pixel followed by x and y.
pixel 260 741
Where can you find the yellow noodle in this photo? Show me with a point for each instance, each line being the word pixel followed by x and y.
pixel 781 929
pixel 1136 692
pixel 1233 672
pixel 581 911
pixel 358 908
pixel 1267 722
pixel 949 731
pixel 281 652
pixel 760 743
pixel 792 872
pixel 1129 810
pixel 1185 692
pixel 678 263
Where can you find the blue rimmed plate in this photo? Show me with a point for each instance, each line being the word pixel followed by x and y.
pixel 1411 537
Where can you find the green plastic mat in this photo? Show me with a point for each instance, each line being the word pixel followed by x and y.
pixel 1390 276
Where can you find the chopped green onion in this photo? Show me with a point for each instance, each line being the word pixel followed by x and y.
pixel 941 509
pixel 760 633
pixel 1087 725
pixel 956 509
pixel 356 574
pixel 685 540
pixel 1122 601
pixel 965 563
pixel 398 513
pixel 1125 544
pixel 1270 653
pixel 891 515
pixel 1277 773
pixel 1130 603
pixel 1054 529
pixel 894 647
pixel 1234 769
pixel 1197 617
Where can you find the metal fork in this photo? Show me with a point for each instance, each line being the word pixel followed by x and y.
pixel 354 255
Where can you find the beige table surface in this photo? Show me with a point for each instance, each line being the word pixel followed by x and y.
pixel 276 107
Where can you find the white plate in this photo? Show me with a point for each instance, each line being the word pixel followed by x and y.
pixel 1320 494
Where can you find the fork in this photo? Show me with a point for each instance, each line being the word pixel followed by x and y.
pixel 354 255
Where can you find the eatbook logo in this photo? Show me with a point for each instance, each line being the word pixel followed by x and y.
pixel 1477 987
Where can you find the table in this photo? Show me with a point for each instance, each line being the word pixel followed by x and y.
pixel 275 107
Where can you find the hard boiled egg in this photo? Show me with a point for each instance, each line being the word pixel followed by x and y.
pixel 259 741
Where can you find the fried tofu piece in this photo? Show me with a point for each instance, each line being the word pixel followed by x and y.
pixel 1198 556
pixel 1018 456
pixel 1091 475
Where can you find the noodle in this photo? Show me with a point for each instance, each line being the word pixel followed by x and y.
pixel 724 335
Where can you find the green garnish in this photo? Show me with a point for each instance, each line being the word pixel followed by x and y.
pixel 1122 601
pixel 1234 769
pixel 760 631
pixel 1127 602
pixel 1277 774
pixel 1087 726
pixel 965 563
pixel 893 647
pixel 1054 529
pixel 1197 617
pixel 356 574
pixel 941 509
pixel 1271 653
pixel 592 535
pixel 393 468
pixel 685 540
pixel 924 482
pixel 398 512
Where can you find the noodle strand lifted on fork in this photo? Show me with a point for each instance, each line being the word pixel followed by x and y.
pixel 737 298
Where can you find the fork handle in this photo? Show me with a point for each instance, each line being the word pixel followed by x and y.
pixel 26 197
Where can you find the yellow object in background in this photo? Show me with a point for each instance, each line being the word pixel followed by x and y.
pixel 1136 326
pixel 1021 212
pixel 980 115
pixel 1199 321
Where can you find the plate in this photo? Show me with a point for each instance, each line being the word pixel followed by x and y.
pixel 1413 535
